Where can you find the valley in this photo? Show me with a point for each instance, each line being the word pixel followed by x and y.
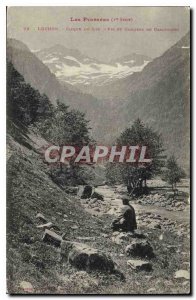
pixel 60 231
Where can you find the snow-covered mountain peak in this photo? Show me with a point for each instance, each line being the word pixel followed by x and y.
pixel 71 66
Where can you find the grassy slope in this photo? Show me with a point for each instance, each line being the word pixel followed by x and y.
pixel 30 191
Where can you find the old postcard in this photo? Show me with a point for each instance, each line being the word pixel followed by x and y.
pixel 98 150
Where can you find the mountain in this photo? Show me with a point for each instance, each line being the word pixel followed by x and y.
pixel 150 75
pixel 40 265
pixel 38 75
pixel 160 96
pixel 70 66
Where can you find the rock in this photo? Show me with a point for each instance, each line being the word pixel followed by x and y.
pixel 41 218
pixel 151 290
pixel 137 234
pixel 105 235
pixel 140 249
pixel 118 239
pixel 171 248
pixel 97 196
pixel 86 258
pixel 97 209
pixel 156 197
pixel 85 191
pixel 74 227
pixel 115 233
pixel 185 283
pixel 161 237
pixel 26 287
pixel 93 201
pixel 182 274
pixel 52 238
pixel 157 226
pixel 45 226
pixel 49 225
pixel 71 190
pixel 139 265
pixel 154 225
pixel 170 195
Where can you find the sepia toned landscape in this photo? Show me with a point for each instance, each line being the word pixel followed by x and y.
pixel 105 227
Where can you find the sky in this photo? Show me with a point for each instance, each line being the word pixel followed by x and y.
pixel 104 44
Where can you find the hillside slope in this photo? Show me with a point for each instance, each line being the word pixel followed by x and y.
pixel 154 95
pixel 152 74
pixel 39 77
pixel 160 96
pixel 31 191
pixel 34 264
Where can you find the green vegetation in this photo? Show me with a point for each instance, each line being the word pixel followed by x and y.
pixel 30 190
pixel 134 176
pixel 173 173
pixel 58 125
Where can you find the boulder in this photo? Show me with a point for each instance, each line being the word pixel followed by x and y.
pixel 26 287
pixel 151 290
pixel 41 218
pixel 45 226
pixel 140 249
pixel 52 238
pixel 84 257
pixel 71 190
pixel 169 195
pixel 97 196
pixel 139 265
pixel 182 274
pixel 85 191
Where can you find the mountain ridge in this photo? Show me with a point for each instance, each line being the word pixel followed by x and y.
pixel 71 66
pixel 154 95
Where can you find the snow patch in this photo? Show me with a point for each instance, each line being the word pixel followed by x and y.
pixel 87 72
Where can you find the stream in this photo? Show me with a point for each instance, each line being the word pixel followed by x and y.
pixel 112 195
